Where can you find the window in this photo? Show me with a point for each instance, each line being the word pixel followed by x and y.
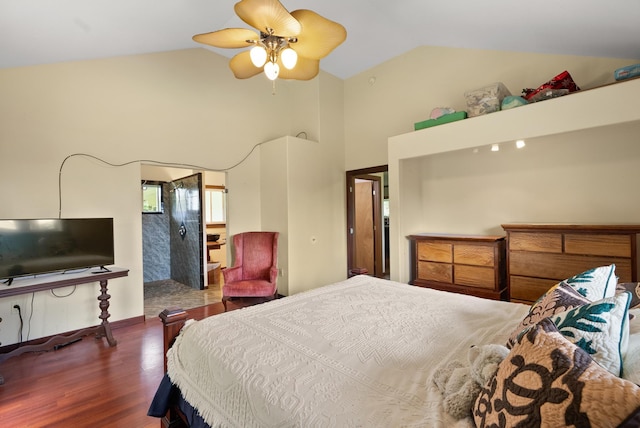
pixel 152 197
pixel 215 205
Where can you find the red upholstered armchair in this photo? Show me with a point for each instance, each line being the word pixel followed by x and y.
pixel 255 270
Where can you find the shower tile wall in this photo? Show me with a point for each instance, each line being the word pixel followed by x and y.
pixel 187 251
pixel 156 259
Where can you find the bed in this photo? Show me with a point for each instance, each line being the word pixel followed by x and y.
pixel 368 352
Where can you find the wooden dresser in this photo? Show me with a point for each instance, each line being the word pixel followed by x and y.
pixel 468 264
pixel 539 255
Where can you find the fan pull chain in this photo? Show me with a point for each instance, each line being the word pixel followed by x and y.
pixel 273 89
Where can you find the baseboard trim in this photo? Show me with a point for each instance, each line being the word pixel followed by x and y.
pixel 127 322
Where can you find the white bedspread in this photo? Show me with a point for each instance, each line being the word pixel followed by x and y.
pixel 359 353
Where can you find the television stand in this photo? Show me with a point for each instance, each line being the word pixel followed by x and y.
pixel 50 282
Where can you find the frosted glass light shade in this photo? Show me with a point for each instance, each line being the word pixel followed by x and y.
pixel 289 58
pixel 258 56
pixel 271 70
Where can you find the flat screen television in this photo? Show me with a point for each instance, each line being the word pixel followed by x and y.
pixel 37 246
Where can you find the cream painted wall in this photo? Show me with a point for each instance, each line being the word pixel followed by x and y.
pixel 317 183
pixel 476 192
pixel 182 107
pixel 317 223
pixel 409 86
pixel 163 173
pixel 298 201
pixel 275 201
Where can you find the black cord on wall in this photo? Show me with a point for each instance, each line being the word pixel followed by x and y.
pixel 21 322
pixel 147 161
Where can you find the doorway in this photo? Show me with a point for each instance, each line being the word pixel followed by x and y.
pixel 368 221
pixel 176 225
pixel 172 235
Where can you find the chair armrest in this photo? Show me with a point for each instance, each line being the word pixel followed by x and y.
pixel 232 274
pixel 273 275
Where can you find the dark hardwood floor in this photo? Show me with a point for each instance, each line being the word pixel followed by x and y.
pixel 88 383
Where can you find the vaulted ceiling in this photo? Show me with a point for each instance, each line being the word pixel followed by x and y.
pixel 48 31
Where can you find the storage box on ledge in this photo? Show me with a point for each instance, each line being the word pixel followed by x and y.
pixel 627 72
pixel 486 100
pixel 451 117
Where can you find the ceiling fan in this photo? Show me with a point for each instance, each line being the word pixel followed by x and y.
pixel 288 45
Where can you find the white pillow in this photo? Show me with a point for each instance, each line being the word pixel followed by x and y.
pixel 596 283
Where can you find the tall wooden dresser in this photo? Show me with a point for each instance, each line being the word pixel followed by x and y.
pixel 467 264
pixel 539 255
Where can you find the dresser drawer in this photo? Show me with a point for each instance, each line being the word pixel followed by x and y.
pixel 431 271
pixel 529 289
pixel 435 251
pixel 598 245
pixel 476 255
pixel 540 242
pixel 562 266
pixel 474 276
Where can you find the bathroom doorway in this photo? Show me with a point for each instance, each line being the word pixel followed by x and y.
pixel 176 252
pixel 172 244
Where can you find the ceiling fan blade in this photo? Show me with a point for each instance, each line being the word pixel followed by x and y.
pixel 319 35
pixel 264 14
pixel 228 38
pixel 242 66
pixel 305 69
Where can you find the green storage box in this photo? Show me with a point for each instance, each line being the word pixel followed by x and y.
pixel 452 117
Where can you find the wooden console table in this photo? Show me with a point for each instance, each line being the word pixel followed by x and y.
pixel 49 282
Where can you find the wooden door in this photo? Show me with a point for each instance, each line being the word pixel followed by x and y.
pixel 364 221
pixel 364 230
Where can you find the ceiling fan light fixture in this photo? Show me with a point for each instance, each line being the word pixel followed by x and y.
pixel 289 58
pixel 258 55
pixel 271 70
pixel 311 36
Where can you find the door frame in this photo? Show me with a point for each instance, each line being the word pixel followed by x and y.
pixel 377 219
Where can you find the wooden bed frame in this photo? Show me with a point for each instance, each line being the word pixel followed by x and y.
pixel 173 319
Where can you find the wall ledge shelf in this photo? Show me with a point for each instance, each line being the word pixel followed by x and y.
pixel 602 106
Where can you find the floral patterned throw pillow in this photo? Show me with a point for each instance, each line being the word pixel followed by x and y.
pixel 600 328
pixel 559 298
pixel 548 381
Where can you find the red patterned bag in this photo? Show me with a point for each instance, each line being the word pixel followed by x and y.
pixel 561 81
